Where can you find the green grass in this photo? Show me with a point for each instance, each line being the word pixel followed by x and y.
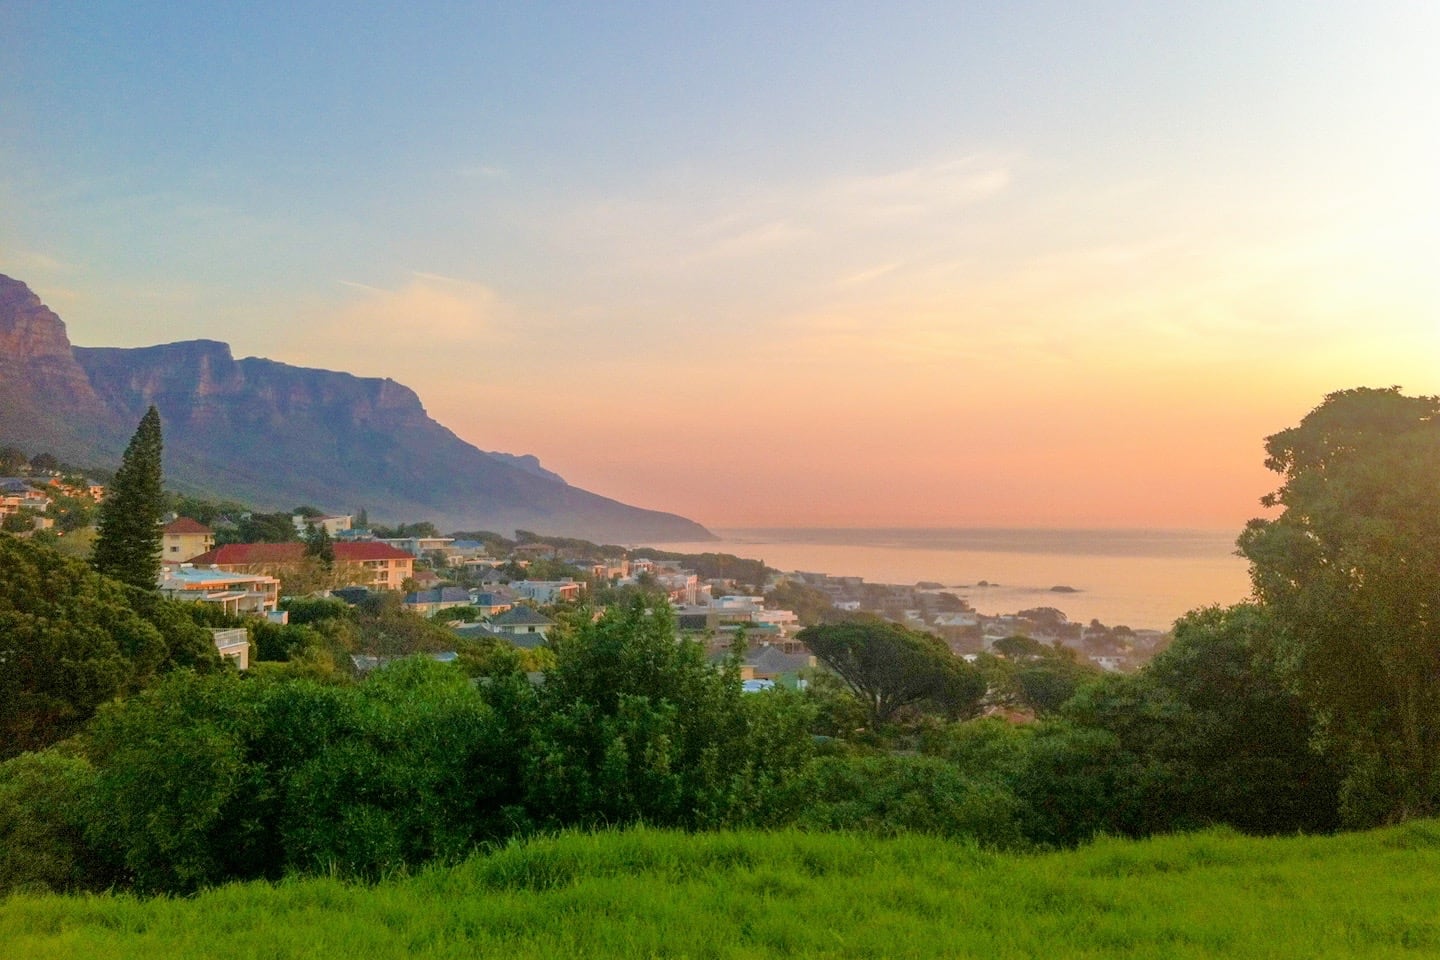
pixel 642 893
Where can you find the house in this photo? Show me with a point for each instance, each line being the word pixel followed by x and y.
pixel 235 593
pixel 387 567
pixel 769 665
pixel 80 487
pixel 548 591
pixel 429 602
pixel 419 546
pixel 16 494
pixel 493 577
pixel 425 579
pixel 481 631
pixel 333 526
pixel 609 569
pixel 521 622
pixel 378 564
pixel 467 553
pixel 233 644
pixel 353 595
pixel 491 602
pixel 771 662
pixel 184 540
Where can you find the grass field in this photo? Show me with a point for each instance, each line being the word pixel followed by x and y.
pixel 645 893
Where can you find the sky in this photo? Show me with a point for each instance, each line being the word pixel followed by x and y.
pixel 827 263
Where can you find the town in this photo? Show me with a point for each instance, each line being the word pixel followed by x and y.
pixel 483 586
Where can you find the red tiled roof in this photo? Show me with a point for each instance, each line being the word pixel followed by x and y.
pixel 367 550
pixel 186 525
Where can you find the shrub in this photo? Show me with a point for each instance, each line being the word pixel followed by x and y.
pixel 889 794
pixel 43 799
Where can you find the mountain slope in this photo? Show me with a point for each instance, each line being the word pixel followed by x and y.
pixel 45 397
pixel 277 435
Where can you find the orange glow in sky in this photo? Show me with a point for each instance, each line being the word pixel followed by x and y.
pixel 939 264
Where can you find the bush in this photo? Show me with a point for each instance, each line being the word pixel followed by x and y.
pixel 43 801
pixel 424 773
pixel 633 725
pixel 208 779
pixel 888 794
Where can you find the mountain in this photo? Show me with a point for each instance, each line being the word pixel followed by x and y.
pixel 45 396
pixel 276 435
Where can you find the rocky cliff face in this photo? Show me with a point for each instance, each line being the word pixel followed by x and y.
pixel 44 393
pixel 276 436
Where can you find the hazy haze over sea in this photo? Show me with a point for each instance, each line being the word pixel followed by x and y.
pixel 1141 578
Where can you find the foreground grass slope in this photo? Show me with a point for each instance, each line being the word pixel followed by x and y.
pixel 643 893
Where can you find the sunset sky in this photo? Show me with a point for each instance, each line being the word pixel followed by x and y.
pixel 1051 264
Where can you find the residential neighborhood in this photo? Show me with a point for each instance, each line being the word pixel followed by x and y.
pixel 485 587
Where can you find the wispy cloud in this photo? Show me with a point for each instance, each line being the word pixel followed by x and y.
pixel 427 324
pixel 822 224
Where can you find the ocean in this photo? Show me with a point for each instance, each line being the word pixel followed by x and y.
pixel 1139 578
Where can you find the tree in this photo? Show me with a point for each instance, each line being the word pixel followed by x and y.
pixel 128 545
pixel 888 666
pixel 809 604
pixel 319 545
pixel 632 724
pixel 12 458
pixel 42 820
pixel 1350 574
pixel 69 641
pixel 20 521
pixel 266 528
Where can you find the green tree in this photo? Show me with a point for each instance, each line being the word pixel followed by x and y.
pixel 809 604
pixel 208 512
pixel 11 460
pixel 128 545
pixel 70 513
pixel 1350 573
pixel 632 724
pixel 1244 737
pixel 43 799
pixel 319 545
pixel 69 641
pixel 19 522
pixel 266 528
pixel 888 666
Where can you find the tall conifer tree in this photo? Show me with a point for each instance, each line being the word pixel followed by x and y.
pixel 128 545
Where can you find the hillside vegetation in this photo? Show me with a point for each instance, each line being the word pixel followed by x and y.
pixel 645 893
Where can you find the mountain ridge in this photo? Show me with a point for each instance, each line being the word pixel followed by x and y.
pixel 275 435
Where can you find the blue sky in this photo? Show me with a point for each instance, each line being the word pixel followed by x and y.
pixel 751 262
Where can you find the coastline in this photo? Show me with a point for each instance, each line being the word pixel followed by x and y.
pixel 1144 579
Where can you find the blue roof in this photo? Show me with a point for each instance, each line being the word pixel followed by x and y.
pixel 439 595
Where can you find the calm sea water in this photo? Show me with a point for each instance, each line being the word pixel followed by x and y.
pixel 1141 578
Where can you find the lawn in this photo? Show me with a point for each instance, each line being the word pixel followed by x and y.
pixel 643 893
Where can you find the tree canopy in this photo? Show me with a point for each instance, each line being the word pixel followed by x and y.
pixel 71 639
pixel 128 545
pixel 888 666
pixel 1350 574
